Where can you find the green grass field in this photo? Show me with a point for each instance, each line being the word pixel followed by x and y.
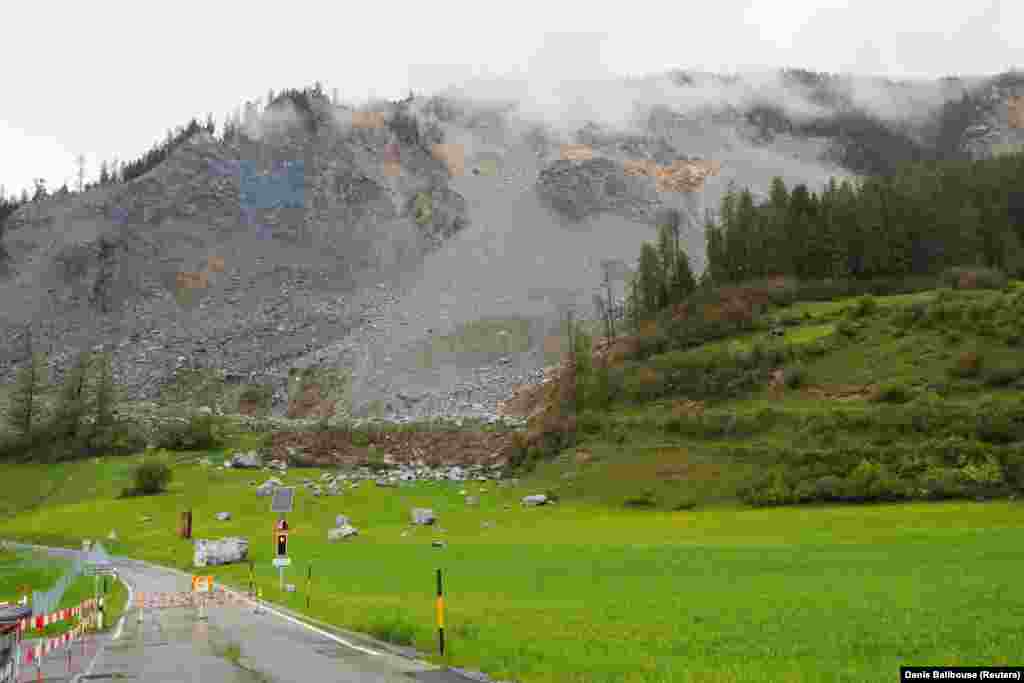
pixel 23 568
pixel 583 592
pixel 648 569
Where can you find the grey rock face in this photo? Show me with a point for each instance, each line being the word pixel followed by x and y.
pixel 578 189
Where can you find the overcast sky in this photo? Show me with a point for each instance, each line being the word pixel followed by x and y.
pixel 107 78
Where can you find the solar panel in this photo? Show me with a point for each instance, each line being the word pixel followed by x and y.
pixel 283 499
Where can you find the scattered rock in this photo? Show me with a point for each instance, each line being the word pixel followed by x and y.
pixel 423 516
pixel 289 588
pixel 341 532
pixel 223 516
pixel 535 499
pixel 341 520
pixel 472 500
pixel 248 459
pixel 438 544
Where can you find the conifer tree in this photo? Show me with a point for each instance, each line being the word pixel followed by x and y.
pixel 105 401
pixel 24 406
pixel 683 282
pixel 71 406
pixel 650 280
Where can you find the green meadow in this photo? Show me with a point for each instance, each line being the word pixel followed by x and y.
pixel 652 566
pixel 582 592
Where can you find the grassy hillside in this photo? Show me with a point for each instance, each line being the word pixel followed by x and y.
pixel 662 559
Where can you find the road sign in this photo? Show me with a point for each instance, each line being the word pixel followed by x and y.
pixel 202 584
pixel 282 561
pixel 284 498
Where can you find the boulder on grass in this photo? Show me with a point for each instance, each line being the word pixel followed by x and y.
pixel 341 520
pixel 341 533
pixel 423 516
pixel 223 551
pixel 248 459
pixel 223 516
pixel 536 499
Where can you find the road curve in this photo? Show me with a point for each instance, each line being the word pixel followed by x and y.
pixel 233 644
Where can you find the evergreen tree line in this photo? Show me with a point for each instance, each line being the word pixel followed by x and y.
pixel 85 422
pixel 158 154
pixel 928 217
pixel 663 279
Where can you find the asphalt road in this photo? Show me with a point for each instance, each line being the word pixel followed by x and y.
pixel 233 644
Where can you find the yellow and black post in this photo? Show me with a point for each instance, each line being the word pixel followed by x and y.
pixel 440 613
pixel 309 584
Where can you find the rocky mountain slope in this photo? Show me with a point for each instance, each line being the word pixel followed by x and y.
pixel 431 247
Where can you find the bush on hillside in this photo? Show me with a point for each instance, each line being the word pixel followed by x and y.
pixel 198 433
pixel 893 393
pixel 864 307
pixel 151 478
pixel 1003 375
pixel 974 278
pixel 795 377
pixel 969 364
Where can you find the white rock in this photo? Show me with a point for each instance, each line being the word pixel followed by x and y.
pixel 342 532
pixel 223 516
pixel 536 499
pixel 423 516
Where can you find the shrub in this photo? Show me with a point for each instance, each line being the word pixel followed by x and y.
pixel 590 422
pixel 200 432
pixel 893 393
pixel 941 482
pixel 1003 376
pixel 847 329
pixel 796 376
pixel 152 477
pixel 644 500
pixel 969 364
pixel 865 306
pixel 975 278
pixel 829 488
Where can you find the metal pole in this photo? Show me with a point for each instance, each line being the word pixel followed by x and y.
pixel 440 613
pixel 309 584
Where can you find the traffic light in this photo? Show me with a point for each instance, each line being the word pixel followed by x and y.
pixel 282 544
